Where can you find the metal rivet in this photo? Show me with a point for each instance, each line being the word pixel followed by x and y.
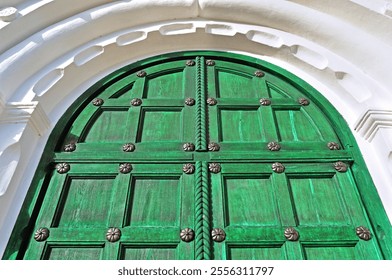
pixel 188 147
pixel 211 101
pixel 265 102
pixel 63 167
pixel 273 146
pixel 278 167
pixel 363 233
pixel 303 101
pixel 218 235
pixel 340 166
pixel 214 167
pixel 70 147
pixel 113 234
pixel 213 147
pixel 190 63
pixel 333 146
pixel 259 74
pixel 125 168
pixel 41 234
pixel 187 235
pixel 97 101
pixel 210 62
pixel 291 234
pixel 136 102
pixel 141 74
pixel 190 101
pixel 188 168
pixel 128 147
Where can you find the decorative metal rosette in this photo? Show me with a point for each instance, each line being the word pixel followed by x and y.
pixel 97 101
pixel 213 147
pixel 70 147
pixel 218 235
pixel 210 62
pixel 340 166
pixel 273 146
pixel 128 147
pixel 41 234
pixel 333 146
pixel 188 147
pixel 265 102
pixel 136 102
pixel 259 74
pixel 63 167
pixel 211 101
pixel 363 233
pixel 113 234
pixel 291 234
pixel 190 101
pixel 188 168
pixel 125 167
pixel 141 74
pixel 277 167
pixel 214 167
pixel 187 235
pixel 303 101
pixel 190 63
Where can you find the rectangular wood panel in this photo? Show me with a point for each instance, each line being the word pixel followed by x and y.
pixel 250 201
pixel 155 201
pixel 270 252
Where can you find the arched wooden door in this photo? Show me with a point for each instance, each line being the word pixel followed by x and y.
pixel 200 156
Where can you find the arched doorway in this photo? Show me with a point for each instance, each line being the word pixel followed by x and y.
pixel 199 155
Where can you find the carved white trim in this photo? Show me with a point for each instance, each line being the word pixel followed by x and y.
pixel 52 52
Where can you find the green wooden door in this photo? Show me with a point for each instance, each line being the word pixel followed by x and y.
pixel 199 157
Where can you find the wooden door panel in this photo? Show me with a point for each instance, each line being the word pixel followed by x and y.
pixel 257 252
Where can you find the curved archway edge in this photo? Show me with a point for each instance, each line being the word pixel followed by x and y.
pixel 82 45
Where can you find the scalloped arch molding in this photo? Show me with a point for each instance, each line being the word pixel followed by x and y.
pixel 52 51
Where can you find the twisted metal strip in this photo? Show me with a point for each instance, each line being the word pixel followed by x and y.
pixel 202 213
pixel 201 129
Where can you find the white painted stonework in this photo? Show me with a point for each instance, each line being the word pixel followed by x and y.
pixel 51 51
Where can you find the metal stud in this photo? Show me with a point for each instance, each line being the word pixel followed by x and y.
pixel 210 62
pixel 259 74
pixel 188 168
pixel 97 101
pixel 340 166
pixel 187 234
pixel 136 102
pixel 213 147
pixel 41 234
pixel 291 234
pixel 190 101
pixel 277 167
pixel 128 147
pixel 141 74
pixel 333 146
pixel 265 102
pixel 218 235
pixel 125 168
pixel 211 101
pixel 273 146
pixel 113 234
pixel 70 147
pixel 303 101
pixel 363 233
pixel 188 147
pixel 190 63
pixel 63 167
pixel 214 167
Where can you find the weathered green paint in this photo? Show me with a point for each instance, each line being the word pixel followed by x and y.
pixel 156 199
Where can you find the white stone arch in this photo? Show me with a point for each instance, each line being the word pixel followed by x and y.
pixel 54 51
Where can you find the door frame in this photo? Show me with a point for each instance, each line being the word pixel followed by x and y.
pixel 367 191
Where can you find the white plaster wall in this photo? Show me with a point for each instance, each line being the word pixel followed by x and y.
pixel 51 51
